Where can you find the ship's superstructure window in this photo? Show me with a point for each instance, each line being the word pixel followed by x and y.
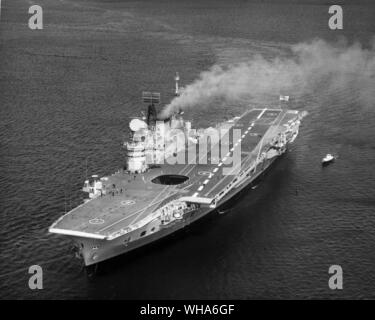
pixel 170 179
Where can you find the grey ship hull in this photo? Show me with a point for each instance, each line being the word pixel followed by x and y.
pixel 114 224
pixel 116 247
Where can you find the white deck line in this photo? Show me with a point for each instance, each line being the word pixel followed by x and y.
pixel 261 114
pixel 268 131
pixel 249 156
pixel 140 211
pixel 199 160
pixel 129 216
pixel 76 233
pixel 153 202
pixel 228 176
pixel 184 168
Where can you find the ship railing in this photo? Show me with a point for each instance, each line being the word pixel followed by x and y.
pixel 120 232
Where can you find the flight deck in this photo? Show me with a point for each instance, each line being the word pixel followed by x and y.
pixel 127 197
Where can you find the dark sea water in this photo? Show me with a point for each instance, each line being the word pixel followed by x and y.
pixel 67 94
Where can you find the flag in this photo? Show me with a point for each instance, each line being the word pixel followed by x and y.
pixel 284 98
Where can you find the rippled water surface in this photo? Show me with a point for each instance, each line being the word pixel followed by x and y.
pixel 66 95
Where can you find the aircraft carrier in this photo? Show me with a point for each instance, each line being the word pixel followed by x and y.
pixel 174 175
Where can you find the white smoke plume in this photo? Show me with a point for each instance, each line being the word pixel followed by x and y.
pixel 312 65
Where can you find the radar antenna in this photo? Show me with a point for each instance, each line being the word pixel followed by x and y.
pixel 151 98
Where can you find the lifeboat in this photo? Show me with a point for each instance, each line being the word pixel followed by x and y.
pixel 329 158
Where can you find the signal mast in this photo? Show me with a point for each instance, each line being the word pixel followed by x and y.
pixel 177 78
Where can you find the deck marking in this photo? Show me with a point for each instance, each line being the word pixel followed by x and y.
pixel 127 202
pixel 183 169
pixel 139 211
pixel 249 157
pixel 204 173
pixel 199 160
pixel 96 221
pixel 228 176
pixel 224 159
pixel 260 115
pixel 127 217
pixel 151 204
pixel 216 169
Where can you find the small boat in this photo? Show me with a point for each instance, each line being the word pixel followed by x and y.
pixel 329 158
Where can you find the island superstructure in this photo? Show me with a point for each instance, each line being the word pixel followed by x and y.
pixel 154 195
